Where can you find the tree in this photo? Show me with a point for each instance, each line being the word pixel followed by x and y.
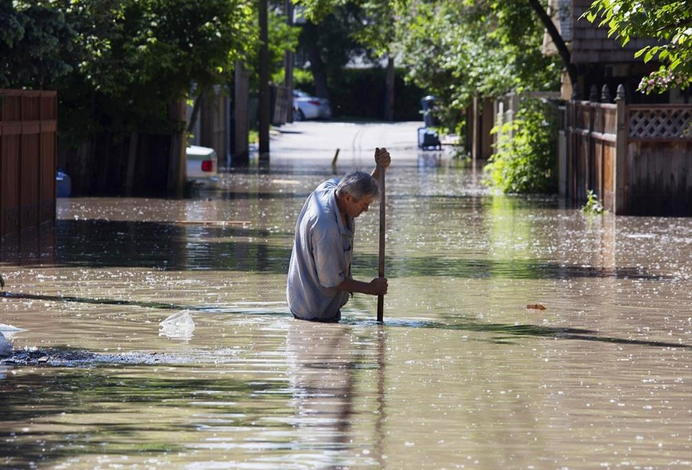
pixel 458 50
pixel 379 34
pixel 34 44
pixel 328 38
pixel 667 21
pixel 120 63
pixel 123 67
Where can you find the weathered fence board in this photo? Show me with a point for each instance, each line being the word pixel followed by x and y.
pixel 28 125
pixel 660 178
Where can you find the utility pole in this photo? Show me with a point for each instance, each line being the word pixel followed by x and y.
pixel 288 63
pixel 264 99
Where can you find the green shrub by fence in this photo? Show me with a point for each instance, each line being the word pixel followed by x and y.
pixel 525 158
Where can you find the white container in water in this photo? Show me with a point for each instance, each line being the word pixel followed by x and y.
pixel 180 325
pixel 6 334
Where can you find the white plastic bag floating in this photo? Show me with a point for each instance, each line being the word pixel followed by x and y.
pixel 6 334
pixel 180 325
pixel 9 331
pixel 5 346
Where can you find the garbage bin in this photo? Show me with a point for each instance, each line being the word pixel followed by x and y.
pixel 428 138
pixel 428 105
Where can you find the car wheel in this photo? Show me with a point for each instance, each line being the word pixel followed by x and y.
pixel 298 115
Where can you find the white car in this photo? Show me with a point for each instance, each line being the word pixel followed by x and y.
pixel 201 162
pixel 310 107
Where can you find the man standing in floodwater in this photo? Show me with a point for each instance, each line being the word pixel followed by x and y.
pixel 319 275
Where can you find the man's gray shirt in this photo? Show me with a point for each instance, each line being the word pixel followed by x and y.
pixel 321 257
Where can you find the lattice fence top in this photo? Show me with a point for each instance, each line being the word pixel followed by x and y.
pixel 666 123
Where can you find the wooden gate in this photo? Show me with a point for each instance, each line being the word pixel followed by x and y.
pixel 28 122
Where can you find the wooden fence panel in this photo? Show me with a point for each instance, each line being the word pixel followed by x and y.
pixel 610 125
pixel 660 178
pixel 659 156
pixel 29 176
pixel 592 158
pixel 27 159
pixel 48 159
pixel 9 190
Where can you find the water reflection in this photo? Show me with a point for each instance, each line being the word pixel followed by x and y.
pixel 321 362
pixel 30 247
pixel 430 159
pixel 460 374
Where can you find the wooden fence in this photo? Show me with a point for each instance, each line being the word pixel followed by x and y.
pixel 636 158
pixel 28 122
pixel 280 104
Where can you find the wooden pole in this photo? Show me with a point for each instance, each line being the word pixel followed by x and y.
pixel 380 273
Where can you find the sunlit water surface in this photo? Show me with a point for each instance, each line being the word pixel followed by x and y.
pixel 461 375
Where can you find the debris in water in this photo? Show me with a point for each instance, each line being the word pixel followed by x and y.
pixel 285 181
pixel 214 222
pixel 180 325
pixel 536 307
pixel 9 330
pixel 5 346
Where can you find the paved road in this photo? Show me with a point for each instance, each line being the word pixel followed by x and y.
pixel 310 140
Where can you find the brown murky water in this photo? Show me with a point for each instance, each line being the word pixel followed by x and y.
pixel 462 374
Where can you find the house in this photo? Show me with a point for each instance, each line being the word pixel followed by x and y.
pixel 600 59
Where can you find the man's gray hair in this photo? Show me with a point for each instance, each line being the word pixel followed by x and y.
pixel 358 184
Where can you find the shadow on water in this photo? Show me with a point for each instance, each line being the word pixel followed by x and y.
pixel 505 269
pixel 90 393
pixel 512 330
pixel 260 196
pixel 174 247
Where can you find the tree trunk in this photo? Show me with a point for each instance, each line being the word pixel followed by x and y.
pixel 195 112
pixel 562 49
pixel 288 63
pixel 102 185
pixel 319 73
pixel 177 172
pixel 131 164
pixel 264 98
pixel 240 154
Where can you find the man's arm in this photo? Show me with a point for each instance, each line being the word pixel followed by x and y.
pixel 377 286
pixel 382 160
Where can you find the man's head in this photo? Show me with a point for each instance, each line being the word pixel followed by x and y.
pixel 355 192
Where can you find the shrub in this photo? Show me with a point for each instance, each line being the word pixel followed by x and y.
pixel 525 157
pixel 593 204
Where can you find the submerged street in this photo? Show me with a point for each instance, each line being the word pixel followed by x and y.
pixel 461 375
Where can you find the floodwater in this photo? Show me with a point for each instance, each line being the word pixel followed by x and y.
pixel 461 375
